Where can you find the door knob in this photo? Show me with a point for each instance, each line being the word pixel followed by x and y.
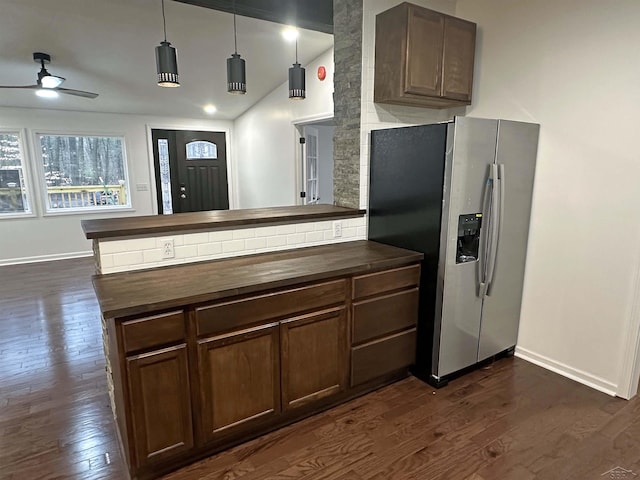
pixel 182 195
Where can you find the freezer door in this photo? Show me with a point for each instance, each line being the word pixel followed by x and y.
pixel 405 201
pixel 470 154
pixel 516 158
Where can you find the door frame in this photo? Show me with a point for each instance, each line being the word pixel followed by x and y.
pixel 298 127
pixel 231 173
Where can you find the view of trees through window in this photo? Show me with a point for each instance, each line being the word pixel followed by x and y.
pixel 82 171
pixel 13 194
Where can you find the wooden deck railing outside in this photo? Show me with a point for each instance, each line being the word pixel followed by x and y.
pixel 68 197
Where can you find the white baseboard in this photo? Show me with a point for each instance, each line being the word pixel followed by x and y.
pixel 567 371
pixel 45 258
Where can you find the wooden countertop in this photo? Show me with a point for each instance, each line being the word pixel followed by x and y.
pixel 142 291
pixel 223 219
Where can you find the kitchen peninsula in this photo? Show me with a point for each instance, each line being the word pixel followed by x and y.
pixel 207 354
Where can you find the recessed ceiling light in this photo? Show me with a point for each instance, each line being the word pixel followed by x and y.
pixel 46 93
pixel 210 109
pixel 290 34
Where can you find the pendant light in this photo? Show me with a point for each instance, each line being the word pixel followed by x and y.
pixel 166 61
pixel 236 73
pixel 297 89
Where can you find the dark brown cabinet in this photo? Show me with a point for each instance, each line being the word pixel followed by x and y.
pixel 423 58
pixel 239 379
pixel 194 379
pixel 160 404
pixel 383 323
pixel 314 357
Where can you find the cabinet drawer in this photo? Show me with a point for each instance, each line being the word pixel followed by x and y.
pixel 230 315
pixel 379 282
pixel 153 331
pixel 384 315
pixel 377 358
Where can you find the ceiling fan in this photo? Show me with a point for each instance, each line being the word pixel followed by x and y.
pixel 48 85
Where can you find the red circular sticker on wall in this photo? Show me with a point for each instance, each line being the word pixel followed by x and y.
pixel 322 73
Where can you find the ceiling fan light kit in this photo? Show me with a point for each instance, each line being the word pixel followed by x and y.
pixel 166 59
pixel 47 85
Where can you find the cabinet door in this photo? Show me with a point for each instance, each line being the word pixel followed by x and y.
pixel 160 404
pixel 239 379
pixel 423 73
pixel 457 63
pixel 314 356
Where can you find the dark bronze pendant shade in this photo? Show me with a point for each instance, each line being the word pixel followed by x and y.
pixel 297 88
pixel 236 70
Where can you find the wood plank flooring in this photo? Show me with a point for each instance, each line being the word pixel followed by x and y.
pixel 511 420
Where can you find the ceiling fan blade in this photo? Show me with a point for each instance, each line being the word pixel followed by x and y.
pixel 77 93
pixel 21 86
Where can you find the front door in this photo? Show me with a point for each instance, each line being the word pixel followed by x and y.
pixel 191 170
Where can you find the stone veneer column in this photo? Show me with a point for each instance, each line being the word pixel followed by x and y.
pixel 347 79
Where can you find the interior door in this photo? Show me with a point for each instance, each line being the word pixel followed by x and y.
pixel 191 170
pixel 312 186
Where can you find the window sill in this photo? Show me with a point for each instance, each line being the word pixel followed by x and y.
pixel 16 216
pixel 87 211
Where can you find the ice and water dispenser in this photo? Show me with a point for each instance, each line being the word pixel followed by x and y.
pixel 468 237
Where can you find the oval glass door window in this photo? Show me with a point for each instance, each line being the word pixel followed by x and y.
pixel 201 150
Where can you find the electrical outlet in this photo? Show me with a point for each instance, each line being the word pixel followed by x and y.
pixel 337 229
pixel 167 248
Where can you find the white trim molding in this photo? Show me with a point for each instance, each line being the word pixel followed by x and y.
pixel 630 362
pixel 45 258
pixel 567 371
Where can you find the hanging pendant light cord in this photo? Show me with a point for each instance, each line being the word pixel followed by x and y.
pixel 235 34
pixel 296 49
pixel 164 22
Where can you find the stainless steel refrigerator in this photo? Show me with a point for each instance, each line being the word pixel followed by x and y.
pixel 460 192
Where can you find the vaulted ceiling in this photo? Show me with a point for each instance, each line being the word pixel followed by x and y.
pixel 108 47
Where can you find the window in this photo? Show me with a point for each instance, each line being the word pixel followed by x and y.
pixel 84 173
pixel 13 191
pixel 201 150
pixel 165 175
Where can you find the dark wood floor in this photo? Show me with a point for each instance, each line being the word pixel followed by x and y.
pixel 511 420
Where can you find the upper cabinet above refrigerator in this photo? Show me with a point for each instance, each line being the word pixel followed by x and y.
pixel 423 58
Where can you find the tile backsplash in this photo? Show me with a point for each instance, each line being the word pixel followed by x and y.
pixel 127 254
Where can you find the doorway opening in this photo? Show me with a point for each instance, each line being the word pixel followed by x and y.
pixel 190 170
pixel 315 170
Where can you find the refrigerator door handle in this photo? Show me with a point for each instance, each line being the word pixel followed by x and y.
pixel 496 225
pixel 484 235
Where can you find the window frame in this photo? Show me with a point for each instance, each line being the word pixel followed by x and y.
pixel 29 185
pixel 47 211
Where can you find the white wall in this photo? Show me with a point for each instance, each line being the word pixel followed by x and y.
pixel 572 67
pixel 325 163
pixel 265 138
pixel 57 236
